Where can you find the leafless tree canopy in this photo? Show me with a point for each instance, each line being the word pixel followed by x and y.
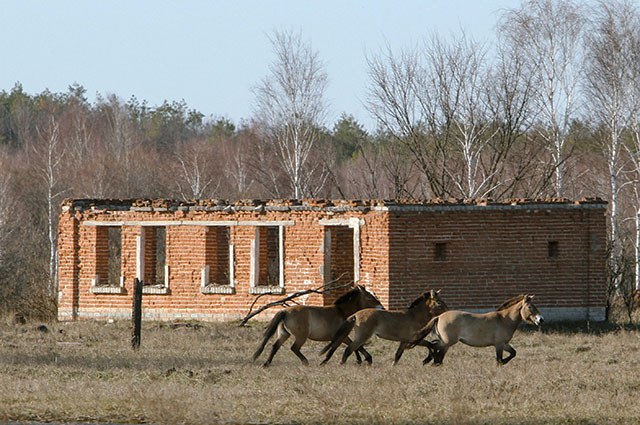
pixel 552 108
pixel 548 35
pixel 290 108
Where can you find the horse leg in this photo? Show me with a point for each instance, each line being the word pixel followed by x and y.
pixel 509 349
pixel 367 356
pixel 350 349
pixel 299 342
pixel 283 335
pixel 348 341
pixel 399 352
pixel 328 356
pixel 430 350
pixel 438 356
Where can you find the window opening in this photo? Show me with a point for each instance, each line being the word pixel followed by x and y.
pixel 440 251
pixel 339 260
pixel 553 249
pixel 114 236
pixel 156 255
pixel 269 256
pixel 108 250
pixel 217 276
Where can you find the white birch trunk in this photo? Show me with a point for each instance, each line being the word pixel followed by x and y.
pixel 637 283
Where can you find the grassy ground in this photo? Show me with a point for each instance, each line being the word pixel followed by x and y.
pixel 87 372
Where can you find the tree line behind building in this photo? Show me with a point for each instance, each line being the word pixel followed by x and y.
pixel 551 109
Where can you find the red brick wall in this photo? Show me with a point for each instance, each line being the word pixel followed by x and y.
pixel 494 255
pixel 491 254
pixel 67 266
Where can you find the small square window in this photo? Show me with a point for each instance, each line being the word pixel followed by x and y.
pixel 553 249
pixel 440 251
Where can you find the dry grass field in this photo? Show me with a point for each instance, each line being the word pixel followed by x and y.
pixel 86 371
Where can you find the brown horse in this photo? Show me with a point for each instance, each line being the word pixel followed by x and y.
pixel 477 330
pixel 395 325
pixel 315 322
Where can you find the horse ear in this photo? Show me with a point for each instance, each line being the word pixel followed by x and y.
pixel 438 291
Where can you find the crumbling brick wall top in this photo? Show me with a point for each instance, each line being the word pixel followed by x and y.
pixel 314 204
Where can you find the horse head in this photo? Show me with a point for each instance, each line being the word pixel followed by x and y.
pixel 430 301
pixel 367 299
pixel 529 312
pixel 435 304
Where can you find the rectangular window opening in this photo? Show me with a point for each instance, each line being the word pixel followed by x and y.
pixel 338 260
pixel 267 262
pixel 115 255
pixel 217 255
pixel 108 251
pixel 440 251
pixel 269 256
pixel 156 256
pixel 553 249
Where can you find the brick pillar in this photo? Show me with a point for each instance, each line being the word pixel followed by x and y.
pixel 67 266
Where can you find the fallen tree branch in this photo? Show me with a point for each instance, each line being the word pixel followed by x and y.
pixel 283 302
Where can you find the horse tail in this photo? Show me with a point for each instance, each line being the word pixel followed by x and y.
pixel 422 333
pixel 342 332
pixel 268 333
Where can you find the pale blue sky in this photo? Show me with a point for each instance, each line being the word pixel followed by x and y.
pixel 211 53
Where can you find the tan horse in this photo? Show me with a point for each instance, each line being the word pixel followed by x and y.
pixel 395 325
pixel 478 330
pixel 318 323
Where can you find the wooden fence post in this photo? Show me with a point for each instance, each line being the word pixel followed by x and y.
pixel 136 314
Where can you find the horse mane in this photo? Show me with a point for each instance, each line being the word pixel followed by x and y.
pixel 347 297
pixel 510 302
pixel 418 300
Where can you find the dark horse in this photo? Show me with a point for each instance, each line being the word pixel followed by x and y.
pixel 395 325
pixel 315 322
pixel 477 330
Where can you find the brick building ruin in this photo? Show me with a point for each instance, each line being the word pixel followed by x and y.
pixel 208 260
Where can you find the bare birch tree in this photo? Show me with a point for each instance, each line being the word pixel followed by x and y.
pixel 49 151
pixel 608 88
pixel 458 116
pixel 120 139
pixel 463 102
pixel 514 156
pixel 290 108
pixel 195 175
pixel 549 33
pixel 620 26
pixel 6 201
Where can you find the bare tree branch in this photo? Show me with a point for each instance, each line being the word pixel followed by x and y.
pixel 283 302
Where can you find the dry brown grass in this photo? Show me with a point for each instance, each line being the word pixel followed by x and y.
pixel 86 371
